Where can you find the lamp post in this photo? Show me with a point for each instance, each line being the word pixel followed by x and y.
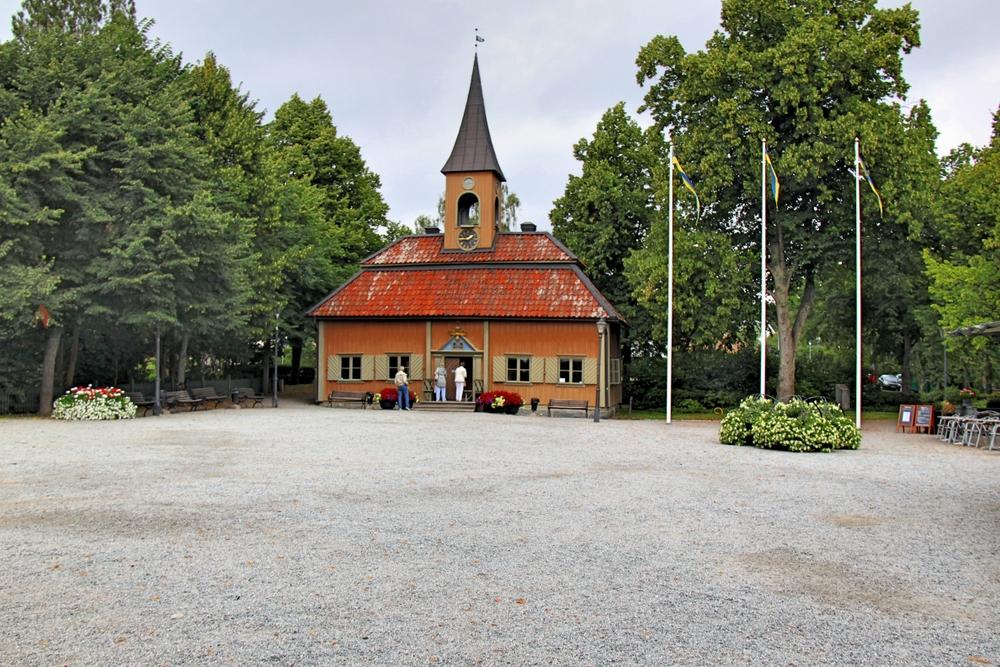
pixel 157 406
pixel 601 326
pixel 274 397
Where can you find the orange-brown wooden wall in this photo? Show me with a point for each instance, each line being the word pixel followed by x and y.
pixel 536 338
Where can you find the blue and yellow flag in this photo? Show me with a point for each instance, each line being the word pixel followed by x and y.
pixel 690 185
pixel 775 185
pixel 871 183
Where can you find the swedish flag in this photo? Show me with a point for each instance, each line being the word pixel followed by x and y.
pixel 690 186
pixel 871 183
pixel 775 185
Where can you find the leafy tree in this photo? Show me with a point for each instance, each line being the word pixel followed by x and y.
pixel 330 209
pixel 606 213
pixel 808 76
pixel 511 204
pixel 963 267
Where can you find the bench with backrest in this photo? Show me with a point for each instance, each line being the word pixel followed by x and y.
pixel 568 404
pixel 182 397
pixel 246 395
pixel 208 395
pixel 347 397
pixel 140 401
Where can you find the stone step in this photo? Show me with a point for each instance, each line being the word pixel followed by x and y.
pixel 445 406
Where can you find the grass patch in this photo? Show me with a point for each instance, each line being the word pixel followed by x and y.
pixel 877 416
pixel 662 415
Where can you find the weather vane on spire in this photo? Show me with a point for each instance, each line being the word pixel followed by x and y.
pixel 478 39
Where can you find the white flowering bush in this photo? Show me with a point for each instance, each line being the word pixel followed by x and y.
pixel 93 404
pixel 736 425
pixel 796 425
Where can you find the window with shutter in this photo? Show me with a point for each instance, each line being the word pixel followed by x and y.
pixel 499 369
pixel 551 370
pixel 416 367
pixel 368 368
pixel 537 370
pixel 615 371
pixel 382 367
pixel 518 369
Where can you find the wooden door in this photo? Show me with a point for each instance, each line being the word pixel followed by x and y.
pixel 450 364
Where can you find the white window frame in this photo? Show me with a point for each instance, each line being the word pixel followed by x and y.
pixel 402 355
pixel 351 367
pixel 520 370
pixel 571 371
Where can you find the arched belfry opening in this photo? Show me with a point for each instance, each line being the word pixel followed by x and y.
pixel 468 210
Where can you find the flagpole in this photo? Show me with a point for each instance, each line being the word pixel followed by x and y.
pixel 670 288
pixel 857 279
pixel 763 267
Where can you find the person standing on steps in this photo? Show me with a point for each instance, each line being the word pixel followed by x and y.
pixel 403 388
pixel 440 383
pixel 460 375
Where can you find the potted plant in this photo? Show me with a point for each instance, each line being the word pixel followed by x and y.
pixel 387 398
pixel 484 402
pixel 512 402
pixel 967 396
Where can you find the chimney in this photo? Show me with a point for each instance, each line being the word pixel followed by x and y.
pixel 432 230
pixel 528 227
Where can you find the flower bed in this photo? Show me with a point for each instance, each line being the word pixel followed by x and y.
pixel 797 426
pixel 499 401
pixel 93 404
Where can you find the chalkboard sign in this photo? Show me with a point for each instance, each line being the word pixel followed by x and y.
pixel 925 418
pixel 906 414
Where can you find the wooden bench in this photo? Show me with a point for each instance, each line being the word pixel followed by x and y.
pixel 208 394
pixel 347 397
pixel 179 398
pixel 140 401
pixel 568 404
pixel 246 394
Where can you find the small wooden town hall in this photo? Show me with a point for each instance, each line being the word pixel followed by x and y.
pixel 515 307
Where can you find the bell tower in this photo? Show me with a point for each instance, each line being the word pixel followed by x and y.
pixel 473 179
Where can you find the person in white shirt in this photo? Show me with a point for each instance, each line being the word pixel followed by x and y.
pixel 440 383
pixel 402 387
pixel 460 375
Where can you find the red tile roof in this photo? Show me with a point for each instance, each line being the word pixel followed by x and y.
pixel 545 292
pixel 509 247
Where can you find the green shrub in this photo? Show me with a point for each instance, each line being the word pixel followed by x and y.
pixel 736 425
pixel 690 406
pixel 797 426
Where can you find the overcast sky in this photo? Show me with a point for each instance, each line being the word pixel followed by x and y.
pixel 395 74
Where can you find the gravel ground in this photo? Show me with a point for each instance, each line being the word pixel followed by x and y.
pixel 316 536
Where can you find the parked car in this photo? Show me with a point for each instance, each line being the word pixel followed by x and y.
pixel 891 382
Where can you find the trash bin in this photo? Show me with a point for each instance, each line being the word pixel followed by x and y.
pixel 234 395
pixel 534 405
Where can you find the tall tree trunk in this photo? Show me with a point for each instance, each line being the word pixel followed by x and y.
pixel 296 362
pixel 182 359
pixel 789 331
pixel 905 371
pixel 74 351
pixel 49 371
pixel 60 369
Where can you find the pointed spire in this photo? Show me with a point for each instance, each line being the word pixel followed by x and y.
pixel 473 149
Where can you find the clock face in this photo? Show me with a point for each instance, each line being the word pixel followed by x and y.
pixel 469 183
pixel 468 239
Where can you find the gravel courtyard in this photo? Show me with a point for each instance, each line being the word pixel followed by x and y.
pixel 316 536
